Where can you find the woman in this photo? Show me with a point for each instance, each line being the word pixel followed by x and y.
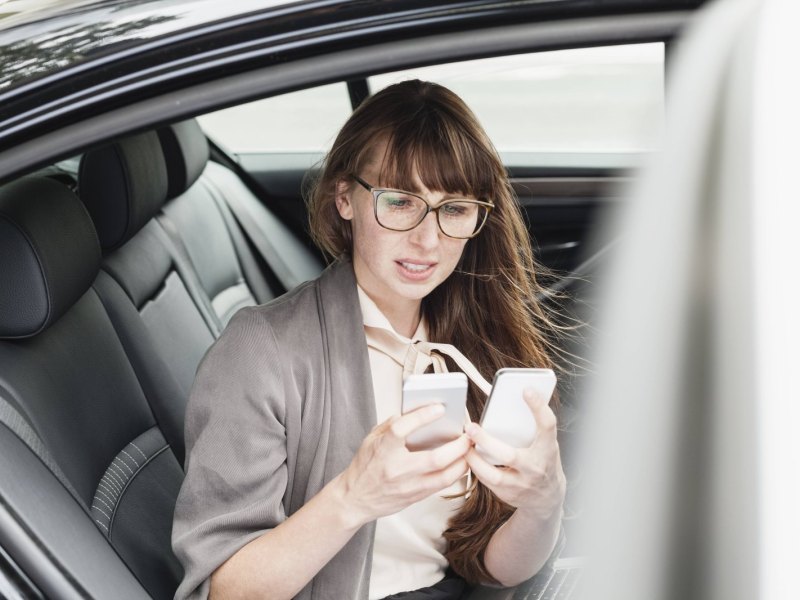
pixel 298 480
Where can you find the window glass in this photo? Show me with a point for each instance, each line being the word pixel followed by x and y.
pixel 587 100
pixel 304 121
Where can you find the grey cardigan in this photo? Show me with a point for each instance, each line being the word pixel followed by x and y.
pixel 280 404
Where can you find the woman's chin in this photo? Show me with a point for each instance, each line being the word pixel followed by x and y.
pixel 416 290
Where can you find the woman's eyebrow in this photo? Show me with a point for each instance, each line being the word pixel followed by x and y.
pixel 445 197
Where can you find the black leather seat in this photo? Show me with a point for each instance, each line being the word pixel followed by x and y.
pixel 161 312
pixel 184 266
pixel 228 271
pixel 103 322
pixel 66 374
pixel 243 254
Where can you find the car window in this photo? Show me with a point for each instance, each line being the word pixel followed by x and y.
pixel 303 121
pixel 580 102
pixel 594 107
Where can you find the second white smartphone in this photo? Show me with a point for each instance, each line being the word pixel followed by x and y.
pixel 506 415
pixel 449 389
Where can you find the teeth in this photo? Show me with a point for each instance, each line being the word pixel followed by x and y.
pixel 417 268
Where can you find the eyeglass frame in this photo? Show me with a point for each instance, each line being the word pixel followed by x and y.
pixel 375 191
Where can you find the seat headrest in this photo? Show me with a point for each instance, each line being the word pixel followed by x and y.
pixel 186 151
pixel 123 185
pixel 49 254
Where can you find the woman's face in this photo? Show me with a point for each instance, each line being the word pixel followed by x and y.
pixel 396 268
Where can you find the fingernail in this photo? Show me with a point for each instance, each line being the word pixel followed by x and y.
pixel 471 429
pixel 438 409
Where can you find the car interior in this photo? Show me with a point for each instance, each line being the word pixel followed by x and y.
pixel 120 267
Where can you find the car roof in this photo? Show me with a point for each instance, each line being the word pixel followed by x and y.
pixel 64 62
pixel 41 38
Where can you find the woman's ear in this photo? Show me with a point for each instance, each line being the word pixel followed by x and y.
pixel 343 204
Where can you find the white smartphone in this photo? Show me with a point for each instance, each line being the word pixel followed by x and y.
pixel 449 389
pixel 506 415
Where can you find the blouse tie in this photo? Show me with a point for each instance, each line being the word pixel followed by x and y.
pixel 415 356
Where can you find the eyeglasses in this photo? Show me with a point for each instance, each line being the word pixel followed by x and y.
pixel 402 211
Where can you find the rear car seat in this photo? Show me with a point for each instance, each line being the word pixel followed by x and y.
pixel 228 271
pixel 65 374
pixel 184 271
pixel 271 258
pixel 97 363
pixel 154 296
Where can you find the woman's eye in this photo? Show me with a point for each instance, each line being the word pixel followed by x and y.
pixel 397 202
pixel 456 210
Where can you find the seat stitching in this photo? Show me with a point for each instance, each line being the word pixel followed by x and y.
pixel 127 484
pixel 113 477
pixel 107 505
pixel 102 511
pixel 110 476
pixel 109 498
pixel 124 464
pixel 129 456
pixel 108 488
pixel 101 525
pixel 112 483
pixel 140 452
pixel 118 472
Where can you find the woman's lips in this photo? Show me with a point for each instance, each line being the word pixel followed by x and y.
pixel 415 270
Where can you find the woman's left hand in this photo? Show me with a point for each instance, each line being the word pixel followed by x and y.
pixel 531 479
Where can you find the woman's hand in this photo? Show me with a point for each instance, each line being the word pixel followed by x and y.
pixel 385 477
pixel 531 479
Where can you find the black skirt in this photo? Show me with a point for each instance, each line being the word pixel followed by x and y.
pixel 452 587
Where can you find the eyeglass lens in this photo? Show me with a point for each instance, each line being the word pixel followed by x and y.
pixel 402 211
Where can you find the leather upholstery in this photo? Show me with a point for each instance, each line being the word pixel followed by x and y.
pixel 206 236
pixel 232 274
pixel 74 383
pixel 123 185
pixel 49 255
pixel 186 153
pixel 225 266
pixel 112 346
pixel 137 493
pixel 164 318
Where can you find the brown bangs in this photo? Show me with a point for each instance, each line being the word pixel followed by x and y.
pixel 443 151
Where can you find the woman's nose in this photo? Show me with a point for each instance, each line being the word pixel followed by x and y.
pixel 426 234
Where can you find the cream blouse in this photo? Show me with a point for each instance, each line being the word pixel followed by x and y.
pixel 409 547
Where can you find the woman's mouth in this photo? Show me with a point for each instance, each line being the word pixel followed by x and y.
pixel 414 270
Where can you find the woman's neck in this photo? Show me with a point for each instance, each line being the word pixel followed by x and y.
pixel 404 322
pixel 403 314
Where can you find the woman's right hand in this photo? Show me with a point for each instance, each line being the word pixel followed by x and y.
pixel 384 477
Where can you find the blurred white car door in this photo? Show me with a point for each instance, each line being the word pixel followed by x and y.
pixel 693 443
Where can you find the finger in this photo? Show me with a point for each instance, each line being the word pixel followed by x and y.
pixel 427 461
pixel 384 426
pixel 542 413
pixel 534 399
pixel 434 482
pixel 487 473
pixel 499 451
pixel 404 425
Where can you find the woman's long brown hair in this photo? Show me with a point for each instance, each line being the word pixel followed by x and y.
pixel 487 308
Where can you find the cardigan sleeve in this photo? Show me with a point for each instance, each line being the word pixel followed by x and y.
pixel 236 472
